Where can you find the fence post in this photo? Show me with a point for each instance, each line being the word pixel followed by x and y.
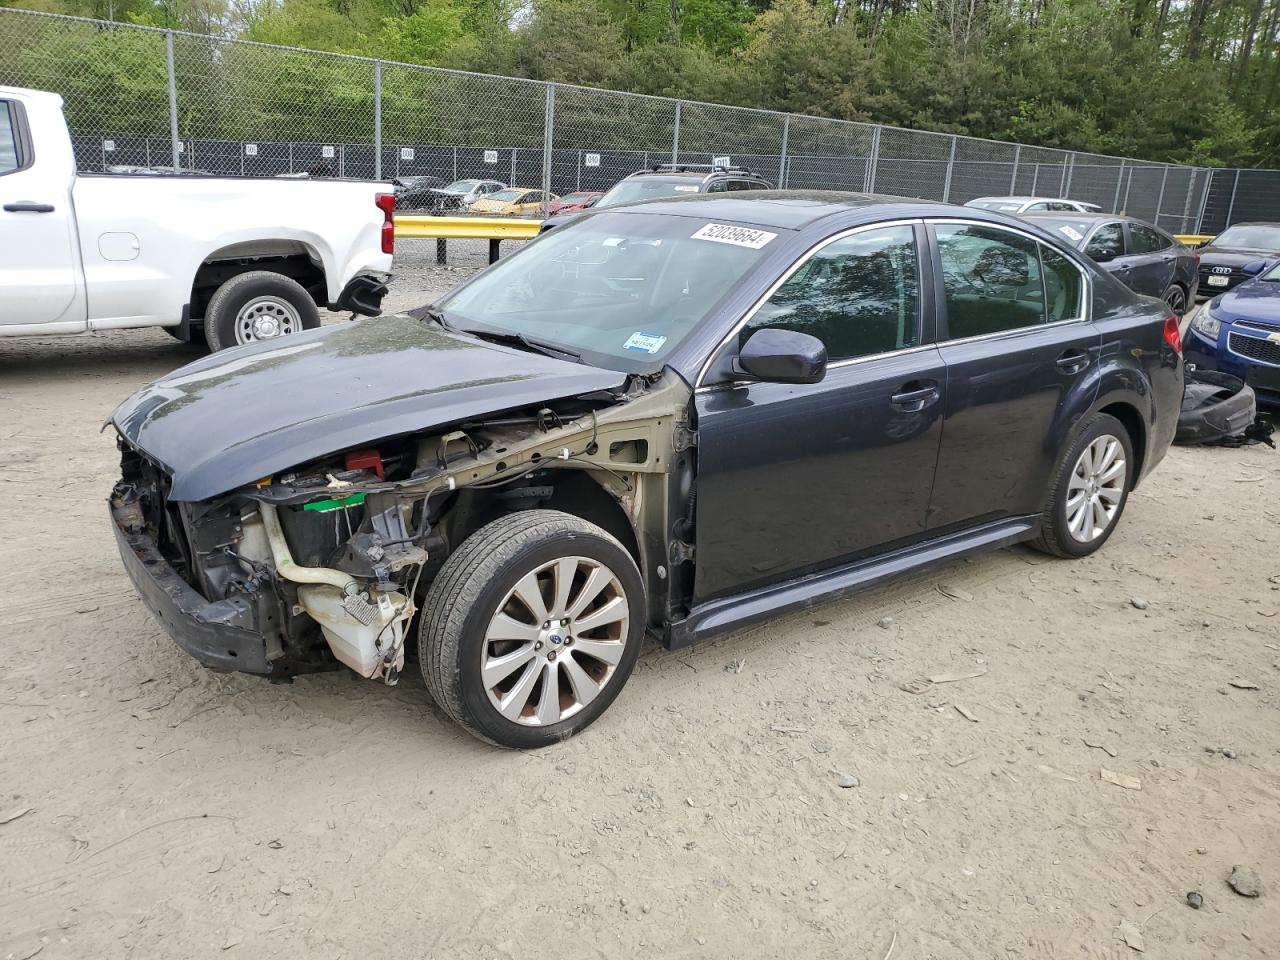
pixel 675 136
pixel 874 160
pixel 782 161
pixel 951 162
pixel 377 119
pixel 548 132
pixel 1127 185
pixel 1115 203
pixel 1071 172
pixel 1204 199
pixel 1232 205
pixel 1164 177
pixel 1013 180
pixel 173 99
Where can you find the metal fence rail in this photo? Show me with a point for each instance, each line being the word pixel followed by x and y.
pixel 143 97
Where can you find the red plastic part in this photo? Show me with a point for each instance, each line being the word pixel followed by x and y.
pixel 366 460
pixel 1172 335
pixel 387 204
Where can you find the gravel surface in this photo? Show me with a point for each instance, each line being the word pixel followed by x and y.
pixel 796 789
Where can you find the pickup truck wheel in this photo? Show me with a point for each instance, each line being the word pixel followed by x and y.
pixel 1090 489
pixel 531 628
pixel 257 306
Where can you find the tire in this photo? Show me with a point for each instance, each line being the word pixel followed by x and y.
pixel 248 305
pixel 1176 298
pixel 478 584
pixel 1059 524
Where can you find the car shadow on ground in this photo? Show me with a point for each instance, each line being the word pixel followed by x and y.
pixel 138 355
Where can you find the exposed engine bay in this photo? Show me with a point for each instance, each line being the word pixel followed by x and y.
pixel 330 560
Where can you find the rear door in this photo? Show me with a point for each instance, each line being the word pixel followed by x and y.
pixel 1153 260
pixel 794 478
pixel 40 279
pixel 1015 338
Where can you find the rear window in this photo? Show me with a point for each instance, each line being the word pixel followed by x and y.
pixel 630 191
pixel 1003 206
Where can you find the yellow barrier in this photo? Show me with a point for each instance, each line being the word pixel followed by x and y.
pixel 1192 239
pixel 442 229
pixel 466 228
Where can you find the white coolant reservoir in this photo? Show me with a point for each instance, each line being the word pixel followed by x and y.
pixel 366 635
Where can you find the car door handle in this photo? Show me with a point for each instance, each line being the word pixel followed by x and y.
pixel 916 398
pixel 27 206
pixel 1073 361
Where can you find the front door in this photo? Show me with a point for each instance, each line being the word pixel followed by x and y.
pixel 39 263
pixel 795 478
pixel 1016 340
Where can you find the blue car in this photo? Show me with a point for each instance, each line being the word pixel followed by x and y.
pixel 1239 332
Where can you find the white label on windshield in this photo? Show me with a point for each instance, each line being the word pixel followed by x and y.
pixel 685 188
pixel 1072 232
pixel 648 342
pixel 738 236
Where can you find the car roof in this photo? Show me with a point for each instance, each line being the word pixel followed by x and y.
pixel 1079 215
pixel 1020 199
pixel 797 209
pixel 695 173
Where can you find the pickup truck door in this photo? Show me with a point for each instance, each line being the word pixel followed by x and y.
pixel 40 278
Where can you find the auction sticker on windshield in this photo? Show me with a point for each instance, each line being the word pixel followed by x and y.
pixel 647 342
pixel 738 236
pixel 1072 232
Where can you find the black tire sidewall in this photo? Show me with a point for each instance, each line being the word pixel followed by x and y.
pixel 480 712
pixel 1099 425
pixel 220 319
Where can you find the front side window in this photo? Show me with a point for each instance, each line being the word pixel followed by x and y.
pixel 1145 240
pixel 1107 243
pixel 8 139
pixel 991 278
pixel 859 295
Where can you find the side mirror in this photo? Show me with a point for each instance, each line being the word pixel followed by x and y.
pixel 782 356
pixel 1254 267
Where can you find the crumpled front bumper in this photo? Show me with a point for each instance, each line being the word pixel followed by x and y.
pixel 223 635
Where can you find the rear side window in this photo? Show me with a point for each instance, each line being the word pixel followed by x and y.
pixel 992 280
pixel 859 295
pixel 1063 286
pixel 1145 240
pixel 8 139
pixel 1107 242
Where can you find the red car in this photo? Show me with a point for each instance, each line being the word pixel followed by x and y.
pixel 573 202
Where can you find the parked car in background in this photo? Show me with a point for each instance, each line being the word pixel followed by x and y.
pixel 1141 256
pixel 573 202
pixel 513 202
pixel 460 194
pixel 1238 332
pixel 1223 257
pixel 415 193
pixel 1017 205
pixel 679 417
pixel 671 180
pixel 233 260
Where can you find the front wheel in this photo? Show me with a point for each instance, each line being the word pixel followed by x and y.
pixel 531 628
pixel 255 307
pixel 1089 491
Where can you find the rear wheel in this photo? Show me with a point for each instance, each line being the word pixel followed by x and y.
pixel 1176 298
pixel 1090 490
pixel 255 307
pixel 531 628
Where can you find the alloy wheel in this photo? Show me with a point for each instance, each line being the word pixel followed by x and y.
pixel 555 641
pixel 1096 488
pixel 266 318
pixel 1177 301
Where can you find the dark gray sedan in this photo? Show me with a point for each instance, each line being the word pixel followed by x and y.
pixel 1141 256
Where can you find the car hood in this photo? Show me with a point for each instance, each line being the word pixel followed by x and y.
pixel 243 414
pixel 1233 256
pixel 1255 300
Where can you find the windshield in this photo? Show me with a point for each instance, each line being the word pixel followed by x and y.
pixel 505 195
pixel 622 290
pixel 629 191
pixel 1273 273
pixel 1004 206
pixel 1250 236
pixel 576 197
pixel 1073 229
pixel 462 186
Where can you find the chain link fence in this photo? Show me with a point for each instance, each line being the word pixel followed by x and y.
pixel 143 98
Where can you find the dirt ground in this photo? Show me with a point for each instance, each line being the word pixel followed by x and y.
pixel 174 812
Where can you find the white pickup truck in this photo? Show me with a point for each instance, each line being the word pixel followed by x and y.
pixel 232 260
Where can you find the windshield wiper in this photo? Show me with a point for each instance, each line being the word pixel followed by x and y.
pixel 433 312
pixel 520 340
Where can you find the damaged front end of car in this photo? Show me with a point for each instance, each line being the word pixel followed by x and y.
pixel 327 563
